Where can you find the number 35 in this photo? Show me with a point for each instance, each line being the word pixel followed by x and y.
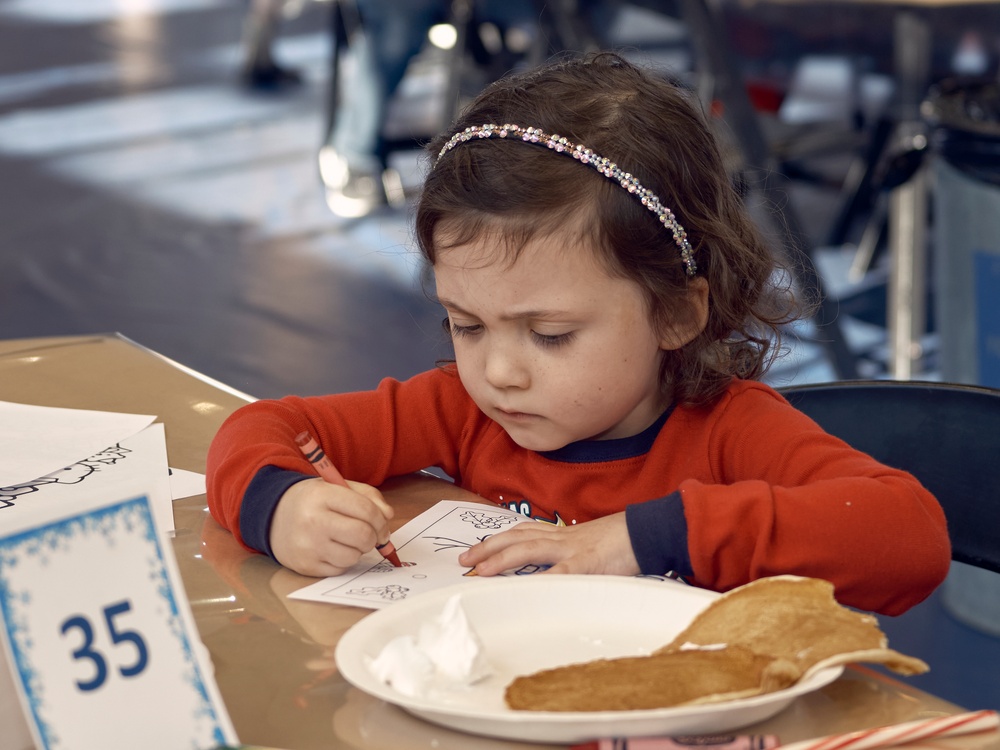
pixel 87 651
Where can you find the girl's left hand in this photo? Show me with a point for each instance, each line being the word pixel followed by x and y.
pixel 598 546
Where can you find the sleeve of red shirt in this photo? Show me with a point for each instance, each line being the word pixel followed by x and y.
pixel 788 497
pixel 398 428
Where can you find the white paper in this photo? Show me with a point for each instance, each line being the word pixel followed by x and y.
pixel 185 483
pixel 428 546
pixel 139 458
pixel 37 440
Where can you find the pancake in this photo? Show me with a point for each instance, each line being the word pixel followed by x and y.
pixel 755 639
pixel 797 619
pixel 658 681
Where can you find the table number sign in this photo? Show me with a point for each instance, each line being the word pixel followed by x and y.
pixel 99 635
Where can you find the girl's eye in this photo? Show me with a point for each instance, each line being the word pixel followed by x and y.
pixel 552 340
pixel 457 330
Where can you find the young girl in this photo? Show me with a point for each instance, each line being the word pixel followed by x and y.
pixel 612 307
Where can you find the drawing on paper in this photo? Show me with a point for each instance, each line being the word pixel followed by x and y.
pixel 489 519
pixel 444 543
pixel 72 474
pixel 389 593
pixel 479 520
pixel 387 567
pixel 431 542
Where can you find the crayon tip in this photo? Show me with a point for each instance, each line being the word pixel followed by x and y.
pixel 394 559
pixel 388 551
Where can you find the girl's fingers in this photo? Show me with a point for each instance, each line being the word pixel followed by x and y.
pixel 354 534
pixel 375 496
pixel 509 550
pixel 598 546
pixel 360 502
pixel 494 544
pixel 322 529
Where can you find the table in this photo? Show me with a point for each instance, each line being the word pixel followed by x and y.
pixel 273 656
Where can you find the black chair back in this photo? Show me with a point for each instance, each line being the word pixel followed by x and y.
pixel 946 435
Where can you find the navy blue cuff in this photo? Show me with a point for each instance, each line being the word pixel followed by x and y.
pixel 259 502
pixel 659 535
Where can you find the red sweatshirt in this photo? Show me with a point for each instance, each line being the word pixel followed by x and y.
pixel 745 488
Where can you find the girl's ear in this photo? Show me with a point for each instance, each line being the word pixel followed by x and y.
pixel 681 332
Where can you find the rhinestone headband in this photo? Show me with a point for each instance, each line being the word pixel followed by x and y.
pixel 585 156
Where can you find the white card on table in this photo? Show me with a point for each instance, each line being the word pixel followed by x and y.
pixel 37 440
pixel 141 458
pixel 98 630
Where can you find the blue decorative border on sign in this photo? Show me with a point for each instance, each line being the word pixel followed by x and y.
pixel 135 516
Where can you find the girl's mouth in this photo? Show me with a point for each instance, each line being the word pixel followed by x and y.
pixel 516 416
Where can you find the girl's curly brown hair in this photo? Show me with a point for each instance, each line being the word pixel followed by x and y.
pixel 652 127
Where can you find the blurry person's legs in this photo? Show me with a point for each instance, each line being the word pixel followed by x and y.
pixel 352 162
pixel 260 70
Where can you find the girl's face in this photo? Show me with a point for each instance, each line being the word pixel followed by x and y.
pixel 553 348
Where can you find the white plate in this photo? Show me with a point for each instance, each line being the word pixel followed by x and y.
pixel 537 622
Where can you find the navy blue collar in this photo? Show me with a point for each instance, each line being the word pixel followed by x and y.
pixel 595 451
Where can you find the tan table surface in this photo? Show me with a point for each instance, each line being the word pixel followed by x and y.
pixel 272 655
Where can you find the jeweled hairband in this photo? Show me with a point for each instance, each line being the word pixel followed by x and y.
pixel 585 156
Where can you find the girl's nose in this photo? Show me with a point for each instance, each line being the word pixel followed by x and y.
pixel 506 367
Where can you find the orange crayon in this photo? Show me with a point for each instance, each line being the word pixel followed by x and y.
pixel 312 451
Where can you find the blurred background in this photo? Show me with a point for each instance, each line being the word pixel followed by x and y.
pixel 230 182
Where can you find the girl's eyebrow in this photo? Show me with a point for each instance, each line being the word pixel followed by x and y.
pixel 520 315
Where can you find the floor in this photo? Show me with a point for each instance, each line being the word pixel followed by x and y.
pixel 146 191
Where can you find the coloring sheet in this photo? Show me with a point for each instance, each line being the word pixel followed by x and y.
pixel 38 440
pixel 428 546
pixel 142 457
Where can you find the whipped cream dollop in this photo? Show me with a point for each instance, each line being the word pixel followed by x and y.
pixel 445 654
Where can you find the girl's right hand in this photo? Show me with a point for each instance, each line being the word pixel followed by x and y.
pixel 322 529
